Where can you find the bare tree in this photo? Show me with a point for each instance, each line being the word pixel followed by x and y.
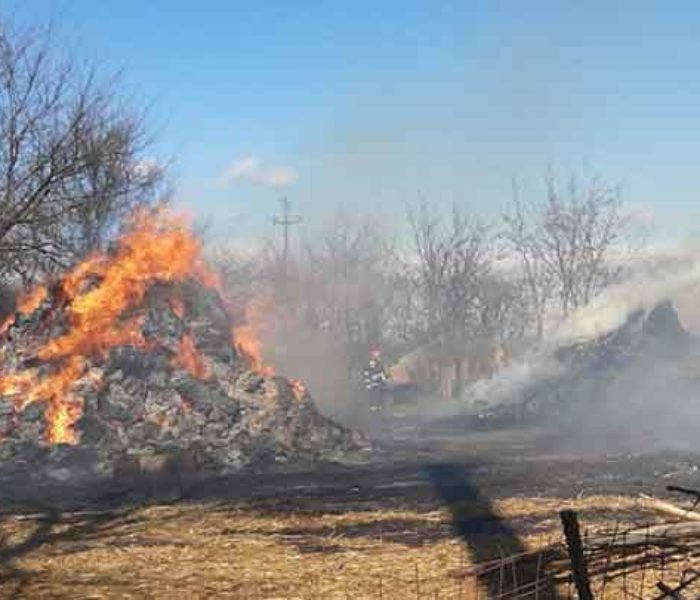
pixel 240 274
pixel 321 313
pixel 570 246
pixel 521 238
pixel 453 258
pixel 502 315
pixel 71 158
pixel 346 273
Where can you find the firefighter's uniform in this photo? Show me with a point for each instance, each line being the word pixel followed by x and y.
pixel 375 379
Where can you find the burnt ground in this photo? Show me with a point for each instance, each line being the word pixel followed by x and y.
pixel 419 508
pixel 413 468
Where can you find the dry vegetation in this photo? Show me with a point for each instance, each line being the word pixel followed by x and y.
pixel 73 165
pixel 217 550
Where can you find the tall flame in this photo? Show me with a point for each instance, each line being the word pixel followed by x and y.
pixel 246 338
pixel 247 343
pixel 99 292
pixel 99 297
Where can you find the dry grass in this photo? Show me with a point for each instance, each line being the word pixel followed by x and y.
pixel 210 550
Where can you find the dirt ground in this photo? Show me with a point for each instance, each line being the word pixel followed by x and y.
pixel 407 523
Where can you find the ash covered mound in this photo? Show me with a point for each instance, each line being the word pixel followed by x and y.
pixel 638 382
pixel 129 360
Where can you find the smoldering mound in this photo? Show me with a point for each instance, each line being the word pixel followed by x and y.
pixel 635 388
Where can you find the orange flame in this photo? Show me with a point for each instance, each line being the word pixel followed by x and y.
pixel 27 304
pixel 163 251
pixel 62 408
pixel 190 359
pixel 248 344
pixel 178 307
pixel 246 338
pixel 99 292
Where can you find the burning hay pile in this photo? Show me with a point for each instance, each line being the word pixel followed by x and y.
pixel 130 357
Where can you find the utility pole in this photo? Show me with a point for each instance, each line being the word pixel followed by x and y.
pixel 286 220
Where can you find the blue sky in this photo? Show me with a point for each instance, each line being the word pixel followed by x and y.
pixel 371 105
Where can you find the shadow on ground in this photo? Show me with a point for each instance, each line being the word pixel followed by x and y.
pixel 52 527
pixel 487 536
pixel 111 504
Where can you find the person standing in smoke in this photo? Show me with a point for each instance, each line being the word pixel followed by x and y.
pixel 375 380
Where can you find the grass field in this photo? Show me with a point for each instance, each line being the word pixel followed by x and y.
pixel 205 550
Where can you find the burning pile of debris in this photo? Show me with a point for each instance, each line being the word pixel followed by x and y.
pixel 650 349
pixel 131 355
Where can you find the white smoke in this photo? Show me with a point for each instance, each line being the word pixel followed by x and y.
pixel 504 386
pixel 610 309
pixel 659 279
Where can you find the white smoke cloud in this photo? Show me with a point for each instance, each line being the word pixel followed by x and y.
pixel 657 282
pixel 504 387
pixel 665 276
pixel 252 170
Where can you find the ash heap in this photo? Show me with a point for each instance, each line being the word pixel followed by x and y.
pixel 131 354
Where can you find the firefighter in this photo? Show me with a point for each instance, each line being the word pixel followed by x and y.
pixel 375 380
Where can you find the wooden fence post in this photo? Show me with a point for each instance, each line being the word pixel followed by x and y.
pixel 569 521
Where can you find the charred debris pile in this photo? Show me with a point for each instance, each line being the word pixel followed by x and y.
pixel 130 359
pixel 650 354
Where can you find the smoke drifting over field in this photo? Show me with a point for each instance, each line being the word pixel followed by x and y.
pixel 668 279
pixel 619 374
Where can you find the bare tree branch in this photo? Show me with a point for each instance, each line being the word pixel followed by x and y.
pixel 569 247
pixel 71 158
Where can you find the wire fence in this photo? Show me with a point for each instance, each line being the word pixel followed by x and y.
pixel 651 562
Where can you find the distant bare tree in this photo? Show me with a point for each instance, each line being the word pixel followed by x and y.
pixel 502 315
pixel 71 161
pixel 522 239
pixel 453 258
pixel 335 297
pixel 570 246
pixel 240 274
pixel 346 272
